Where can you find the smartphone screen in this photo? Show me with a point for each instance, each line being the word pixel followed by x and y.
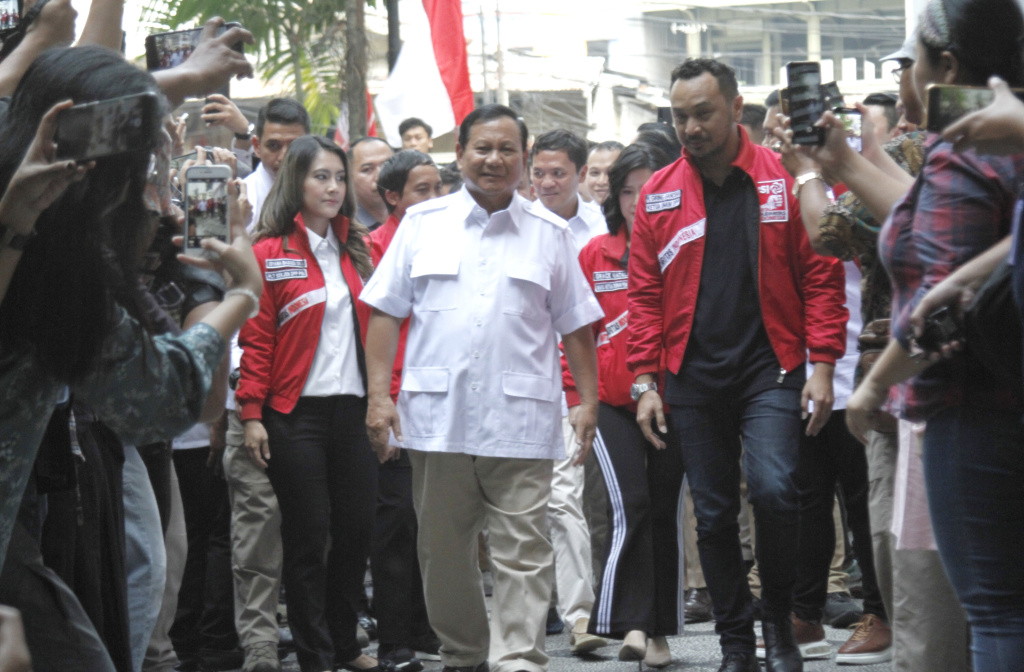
pixel 833 97
pixel 206 206
pixel 169 50
pixel 806 104
pixel 853 124
pixel 107 128
pixel 10 16
pixel 949 102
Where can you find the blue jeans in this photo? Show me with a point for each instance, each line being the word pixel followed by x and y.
pixel 974 471
pixel 710 437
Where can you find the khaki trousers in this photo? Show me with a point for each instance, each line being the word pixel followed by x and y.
pixel 456 496
pixel 255 541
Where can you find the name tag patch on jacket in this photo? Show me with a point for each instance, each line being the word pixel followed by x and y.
pixel 613 286
pixel 686 235
pixel 296 306
pixel 665 201
pixel 601 276
pixel 774 204
pixel 291 273
pixel 285 263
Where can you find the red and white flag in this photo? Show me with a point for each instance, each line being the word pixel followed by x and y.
pixel 430 79
pixel 341 128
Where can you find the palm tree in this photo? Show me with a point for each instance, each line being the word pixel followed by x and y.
pixel 303 40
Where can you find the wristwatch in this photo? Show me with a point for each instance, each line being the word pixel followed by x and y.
pixel 247 134
pixel 637 389
pixel 17 241
pixel 803 179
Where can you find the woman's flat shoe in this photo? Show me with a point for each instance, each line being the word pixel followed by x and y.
pixel 658 654
pixel 634 646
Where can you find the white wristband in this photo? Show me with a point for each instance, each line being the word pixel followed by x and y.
pixel 249 293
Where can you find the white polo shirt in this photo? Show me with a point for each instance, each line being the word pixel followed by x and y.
pixel 488 296
pixel 587 223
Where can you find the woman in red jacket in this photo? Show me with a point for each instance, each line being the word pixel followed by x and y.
pixel 640 597
pixel 302 397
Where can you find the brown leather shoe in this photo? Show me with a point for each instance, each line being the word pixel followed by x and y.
pixel 810 637
pixel 870 643
pixel 697 608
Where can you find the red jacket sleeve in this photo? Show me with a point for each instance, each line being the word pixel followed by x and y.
pixel 258 340
pixel 572 396
pixel 645 301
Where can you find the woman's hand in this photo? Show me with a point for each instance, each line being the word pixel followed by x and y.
pixel 835 153
pixel 794 157
pixel 996 129
pixel 221 111
pixel 236 259
pixel 864 409
pixel 41 178
pixel 256 443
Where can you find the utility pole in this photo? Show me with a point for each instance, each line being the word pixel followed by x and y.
pixel 394 34
pixel 502 91
pixel 355 69
pixel 483 56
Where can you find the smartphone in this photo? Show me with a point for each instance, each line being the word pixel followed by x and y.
pixel 806 104
pixel 833 97
pixel 949 102
pixel 206 206
pixel 10 17
pixel 853 123
pixel 168 50
pixel 940 327
pixel 108 127
pixel 784 101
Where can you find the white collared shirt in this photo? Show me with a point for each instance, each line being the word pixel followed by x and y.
pixel 587 223
pixel 257 186
pixel 335 368
pixel 487 296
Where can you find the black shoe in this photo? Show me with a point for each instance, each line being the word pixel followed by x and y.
pixel 781 653
pixel 214 660
pixel 555 626
pixel 698 606
pixel 401 657
pixel 367 623
pixel 482 667
pixel 841 611
pixel 735 661
pixel 426 649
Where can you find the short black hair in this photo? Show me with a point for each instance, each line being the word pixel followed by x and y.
pixel 660 139
pixel 695 67
pixel 773 99
pixel 413 122
pixel 283 111
pixel 753 115
pixel 451 176
pixel 490 113
pixel 395 172
pixel 361 141
pixel 561 140
pixel 606 146
pixel 887 102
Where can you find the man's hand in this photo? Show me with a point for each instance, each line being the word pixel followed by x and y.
pixel 818 389
pixel 220 111
pixel 256 443
pixel 210 66
pixel 650 412
pixel 382 416
pixel 584 423
pixel 996 129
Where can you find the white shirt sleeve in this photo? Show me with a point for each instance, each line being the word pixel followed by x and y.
pixel 390 288
pixel 573 305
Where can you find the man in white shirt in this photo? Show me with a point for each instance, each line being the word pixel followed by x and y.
pixel 489 280
pixel 559 166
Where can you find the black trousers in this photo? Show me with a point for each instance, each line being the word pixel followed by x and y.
pixel 640 587
pixel 206 607
pixel 398 600
pixel 325 477
pixel 832 457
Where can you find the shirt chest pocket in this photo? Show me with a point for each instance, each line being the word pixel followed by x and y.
pixel 527 285
pixel 436 279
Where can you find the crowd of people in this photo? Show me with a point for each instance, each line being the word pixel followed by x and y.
pixel 617 387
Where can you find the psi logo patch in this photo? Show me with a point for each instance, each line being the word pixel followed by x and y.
pixel 666 201
pixel 774 203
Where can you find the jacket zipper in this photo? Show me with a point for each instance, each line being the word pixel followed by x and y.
pixel 782 376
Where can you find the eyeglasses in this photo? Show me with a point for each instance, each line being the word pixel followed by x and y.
pixel 897 74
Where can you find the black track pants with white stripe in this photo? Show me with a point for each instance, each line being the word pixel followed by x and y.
pixel 642 586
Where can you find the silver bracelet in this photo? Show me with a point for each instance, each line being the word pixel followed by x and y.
pixel 249 293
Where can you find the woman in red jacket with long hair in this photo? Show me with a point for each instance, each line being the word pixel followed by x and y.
pixel 639 599
pixel 302 397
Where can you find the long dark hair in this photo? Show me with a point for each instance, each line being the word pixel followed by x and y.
pixel 634 157
pixel 277 219
pixel 60 302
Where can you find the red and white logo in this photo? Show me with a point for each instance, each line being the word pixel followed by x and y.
pixel 774 203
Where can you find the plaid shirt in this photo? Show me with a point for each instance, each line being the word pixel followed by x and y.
pixel 960 205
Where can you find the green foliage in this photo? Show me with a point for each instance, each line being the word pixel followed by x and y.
pixel 301 41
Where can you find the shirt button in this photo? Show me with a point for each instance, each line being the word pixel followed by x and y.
pixel 479 323
pixel 483 262
pixel 476 354
pixel 474 386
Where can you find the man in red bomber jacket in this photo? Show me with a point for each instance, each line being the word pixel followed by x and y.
pixel 725 288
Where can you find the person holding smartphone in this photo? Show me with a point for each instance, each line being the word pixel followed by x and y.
pixel 302 398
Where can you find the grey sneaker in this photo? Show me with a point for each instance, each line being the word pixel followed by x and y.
pixel 261 657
